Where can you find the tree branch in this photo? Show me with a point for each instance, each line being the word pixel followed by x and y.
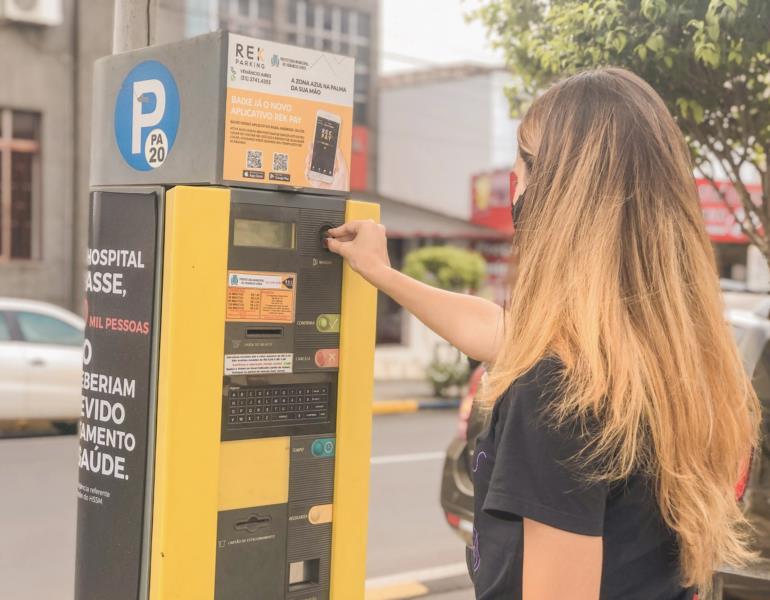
pixel 747 227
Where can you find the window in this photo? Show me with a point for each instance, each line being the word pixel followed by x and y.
pixel 362 83
pixel 248 17
pixel 5 331
pixel 265 9
pixel 328 19
pixel 19 182
pixel 362 54
pixel 344 20
pixel 359 112
pixel 292 12
pixel 364 22
pixel 310 17
pixel 42 329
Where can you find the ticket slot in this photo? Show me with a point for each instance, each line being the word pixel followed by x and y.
pixel 261 332
pixel 304 574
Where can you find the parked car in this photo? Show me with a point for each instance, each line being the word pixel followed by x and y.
pixel 40 362
pixel 752 335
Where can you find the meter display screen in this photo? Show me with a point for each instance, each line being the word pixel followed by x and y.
pixel 263 234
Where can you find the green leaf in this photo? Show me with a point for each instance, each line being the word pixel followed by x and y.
pixel 732 4
pixel 712 29
pixel 641 51
pixel 655 43
pixel 682 105
pixel 697 111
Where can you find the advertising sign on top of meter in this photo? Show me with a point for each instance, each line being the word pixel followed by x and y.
pixel 288 115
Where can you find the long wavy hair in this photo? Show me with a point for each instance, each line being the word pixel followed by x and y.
pixel 615 276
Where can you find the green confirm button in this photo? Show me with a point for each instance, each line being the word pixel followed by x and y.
pixel 328 323
pixel 323 447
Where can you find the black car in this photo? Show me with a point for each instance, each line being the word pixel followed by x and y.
pixel 752 334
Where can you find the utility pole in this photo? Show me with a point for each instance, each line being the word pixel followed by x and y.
pixel 132 24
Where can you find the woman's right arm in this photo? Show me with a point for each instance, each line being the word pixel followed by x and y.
pixel 471 324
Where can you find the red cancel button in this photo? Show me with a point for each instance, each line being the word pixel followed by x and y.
pixel 327 358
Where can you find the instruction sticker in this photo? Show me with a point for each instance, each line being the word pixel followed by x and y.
pixel 258 364
pixel 288 116
pixel 261 297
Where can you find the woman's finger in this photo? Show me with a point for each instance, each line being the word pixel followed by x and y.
pixel 337 246
pixel 351 228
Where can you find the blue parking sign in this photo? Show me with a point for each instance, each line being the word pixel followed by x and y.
pixel 147 115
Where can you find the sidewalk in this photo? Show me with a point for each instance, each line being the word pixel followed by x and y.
pixel 402 388
pixel 408 395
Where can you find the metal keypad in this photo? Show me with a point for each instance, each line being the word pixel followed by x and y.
pixel 277 405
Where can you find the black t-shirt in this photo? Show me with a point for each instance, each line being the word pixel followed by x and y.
pixel 523 468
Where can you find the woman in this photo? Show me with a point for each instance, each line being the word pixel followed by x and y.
pixel 621 413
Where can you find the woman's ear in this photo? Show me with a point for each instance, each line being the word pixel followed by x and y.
pixel 522 175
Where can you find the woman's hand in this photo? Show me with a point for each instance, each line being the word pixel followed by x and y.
pixel 364 245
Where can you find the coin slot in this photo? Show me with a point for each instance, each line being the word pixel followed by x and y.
pixel 323 234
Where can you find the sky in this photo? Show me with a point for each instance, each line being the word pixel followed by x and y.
pixel 418 34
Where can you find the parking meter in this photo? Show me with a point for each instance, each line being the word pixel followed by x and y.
pixel 226 420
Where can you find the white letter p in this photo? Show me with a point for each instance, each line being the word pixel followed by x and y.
pixel 139 119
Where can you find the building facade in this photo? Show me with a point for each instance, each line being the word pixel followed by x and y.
pixel 438 128
pixel 45 99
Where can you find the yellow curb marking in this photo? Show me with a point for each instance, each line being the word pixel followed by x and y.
pixel 400 591
pixel 389 407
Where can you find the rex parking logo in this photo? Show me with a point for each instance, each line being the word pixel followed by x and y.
pixel 147 115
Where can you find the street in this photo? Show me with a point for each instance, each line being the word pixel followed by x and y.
pixel 407 533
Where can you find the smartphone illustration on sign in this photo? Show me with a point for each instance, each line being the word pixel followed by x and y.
pixel 327 129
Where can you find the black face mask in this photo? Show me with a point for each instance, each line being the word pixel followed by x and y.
pixel 516 209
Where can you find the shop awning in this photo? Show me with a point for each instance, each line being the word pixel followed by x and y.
pixel 404 220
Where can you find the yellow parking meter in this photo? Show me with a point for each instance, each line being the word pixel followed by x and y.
pixel 226 422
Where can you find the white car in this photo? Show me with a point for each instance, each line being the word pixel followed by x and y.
pixel 41 348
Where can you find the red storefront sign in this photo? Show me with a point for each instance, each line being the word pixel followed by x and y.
pixel 491 205
pixel 720 222
pixel 491 200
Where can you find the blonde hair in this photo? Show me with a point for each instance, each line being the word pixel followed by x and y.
pixel 616 277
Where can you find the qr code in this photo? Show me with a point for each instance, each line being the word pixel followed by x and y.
pixel 254 159
pixel 280 161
